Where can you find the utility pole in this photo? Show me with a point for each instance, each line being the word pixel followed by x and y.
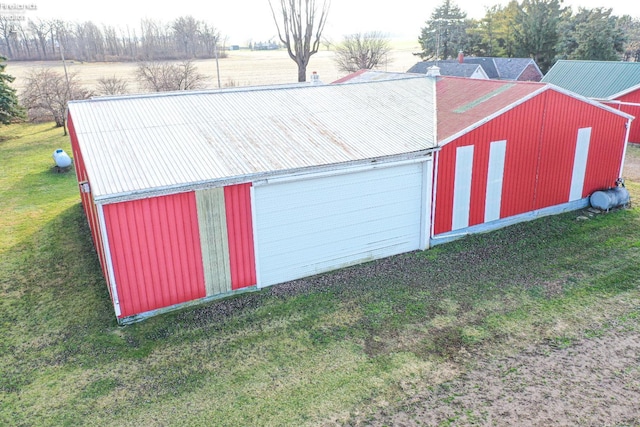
pixel 215 52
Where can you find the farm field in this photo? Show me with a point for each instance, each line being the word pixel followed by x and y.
pixel 534 324
pixel 240 68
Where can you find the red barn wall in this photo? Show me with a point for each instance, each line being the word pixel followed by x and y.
pixel 541 138
pixel 155 251
pixel 237 200
pixel 633 97
pixel 520 165
pixel 88 204
pixel 563 117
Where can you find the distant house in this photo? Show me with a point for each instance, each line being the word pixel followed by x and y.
pixel 451 68
pixel 516 69
pixel 616 84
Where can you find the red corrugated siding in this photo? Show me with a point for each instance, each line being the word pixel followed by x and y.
pixel 634 135
pixel 541 141
pixel 240 230
pixel 515 126
pixel 155 251
pixel 564 116
pixel 88 205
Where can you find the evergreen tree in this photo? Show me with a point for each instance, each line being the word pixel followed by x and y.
pixel 591 34
pixel 537 31
pixel 9 106
pixel 630 27
pixel 445 33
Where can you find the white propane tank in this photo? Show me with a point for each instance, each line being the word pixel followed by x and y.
pixel 609 199
pixel 61 158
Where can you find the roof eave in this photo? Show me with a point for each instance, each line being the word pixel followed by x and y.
pixel 239 179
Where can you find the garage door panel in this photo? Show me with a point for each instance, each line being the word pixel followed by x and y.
pixel 367 220
pixel 318 201
pixel 323 223
pixel 320 244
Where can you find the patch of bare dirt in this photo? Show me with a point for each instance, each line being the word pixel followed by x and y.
pixel 595 382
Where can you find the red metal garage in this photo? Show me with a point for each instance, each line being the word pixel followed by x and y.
pixel 195 196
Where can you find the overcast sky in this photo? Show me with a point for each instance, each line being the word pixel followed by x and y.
pixel 242 20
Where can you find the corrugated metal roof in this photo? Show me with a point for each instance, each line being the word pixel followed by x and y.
pixel 135 144
pixel 463 103
pixel 364 76
pixel 494 68
pixel 595 79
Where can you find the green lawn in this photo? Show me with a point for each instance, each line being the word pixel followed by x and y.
pixel 306 353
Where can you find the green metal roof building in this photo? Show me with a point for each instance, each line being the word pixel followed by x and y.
pixel 614 83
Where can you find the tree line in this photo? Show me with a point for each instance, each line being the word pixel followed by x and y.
pixel 183 38
pixel 540 29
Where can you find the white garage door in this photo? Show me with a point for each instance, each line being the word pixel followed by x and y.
pixel 319 224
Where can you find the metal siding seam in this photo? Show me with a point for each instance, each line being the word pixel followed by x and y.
pixel 521 165
pixel 434 192
pixel 557 149
pixel 115 237
pixel 462 187
pixel 231 207
pixel 479 180
pixel 155 264
pixel 239 226
pixel 214 240
pixel 444 194
pixel 254 222
pixel 244 276
pixel 495 177
pixel 109 263
pixel 251 265
pixel 195 274
pixel 624 150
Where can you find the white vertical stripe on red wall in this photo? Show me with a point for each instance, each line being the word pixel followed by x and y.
pixel 495 176
pixel 580 164
pixel 462 187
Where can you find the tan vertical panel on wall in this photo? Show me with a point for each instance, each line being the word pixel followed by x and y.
pixel 214 241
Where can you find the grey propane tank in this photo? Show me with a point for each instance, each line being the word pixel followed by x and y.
pixel 608 199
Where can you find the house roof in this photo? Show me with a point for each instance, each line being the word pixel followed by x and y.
pixel 449 68
pixel 173 141
pixel 512 68
pixel 495 68
pixel 595 79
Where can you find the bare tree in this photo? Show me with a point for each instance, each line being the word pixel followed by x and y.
pixel 47 93
pixel 9 33
pixel 186 30
pixel 363 51
pixel 157 76
pixel 300 29
pixel 112 86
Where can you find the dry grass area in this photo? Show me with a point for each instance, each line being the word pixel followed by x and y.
pixel 239 68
